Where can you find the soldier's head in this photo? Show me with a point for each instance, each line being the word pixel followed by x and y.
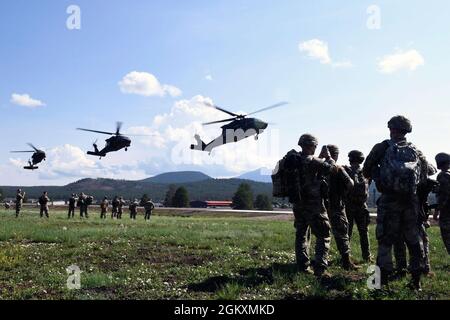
pixel 356 157
pixel 73 194
pixel 399 126
pixel 334 151
pixel 443 161
pixel 19 190
pixel 45 193
pixel 82 194
pixel 105 198
pixel 308 143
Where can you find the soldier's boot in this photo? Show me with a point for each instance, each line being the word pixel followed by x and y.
pixel 415 282
pixel 347 263
pixel 385 277
pixel 321 273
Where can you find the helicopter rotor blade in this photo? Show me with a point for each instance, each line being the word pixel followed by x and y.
pixel 269 108
pixel 221 109
pixel 220 121
pixel 102 132
pixel 22 151
pixel 32 146
pixel 119 126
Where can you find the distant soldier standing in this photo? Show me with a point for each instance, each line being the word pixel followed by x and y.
pixel 133 209
pixel 149 206
pixel 115 206
pixel 19 201
pixel 443 164
pixel 43 202
pixel 398 168
pixel 339 184
pixel 120 205
pixel 309 207
pixel 82 204
pixel 356 203
pixel 72 204
pixel 104 208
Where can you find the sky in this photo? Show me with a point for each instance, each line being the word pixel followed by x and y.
pixel 344 67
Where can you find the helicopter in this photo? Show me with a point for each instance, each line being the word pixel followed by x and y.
pixel 37 157
pixel 239 128
pixel 117 142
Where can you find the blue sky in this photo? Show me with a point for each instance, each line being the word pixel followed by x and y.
pixel 242 55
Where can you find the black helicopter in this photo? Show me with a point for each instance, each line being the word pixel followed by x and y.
pixel 239 128
pixel 115 143
pixel 37 157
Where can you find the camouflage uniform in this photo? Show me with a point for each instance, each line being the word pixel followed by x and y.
pixel 309 210
pixel 339 183
pixel 115 206
pixel 397 216
pixel 444 202
pixel 82 203
pixel 120 208
pixel 19 200
pixel 43 202
pixel 133 209
pixel 357 210
pixel 104 208
pixel 72 203
pixel 148 206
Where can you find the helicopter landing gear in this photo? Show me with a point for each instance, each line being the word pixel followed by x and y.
pixel 257 137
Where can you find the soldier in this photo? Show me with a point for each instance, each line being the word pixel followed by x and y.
pixel 423 192
pixel 148 206
pixel 398 168
pixel 19 201
pixel 356 203
pixel 133 209
pixel 115 206
pixel 309 207
pixel 82 203
pixel 339 184
pixel 72 203
pixel 120 205
pixel 43 202
pixel 443 164
pixel 104 208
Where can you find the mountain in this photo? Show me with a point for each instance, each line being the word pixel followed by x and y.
pixel 260 175
pixel 207 189
pixel 178 177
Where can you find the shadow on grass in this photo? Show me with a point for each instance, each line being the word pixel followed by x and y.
pixel 254 277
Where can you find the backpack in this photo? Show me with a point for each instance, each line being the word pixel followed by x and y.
pixel 284 178
pixel 359 192
pixel 400 170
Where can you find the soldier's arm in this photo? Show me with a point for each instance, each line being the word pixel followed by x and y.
pixel 374 158
pixel 346 179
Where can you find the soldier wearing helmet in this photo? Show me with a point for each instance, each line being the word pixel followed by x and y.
pixel 443 194
pixel 398 206
pixel 72 202
pixel 356 202
pixel 338 185
pixel 309 207
pixel 20 196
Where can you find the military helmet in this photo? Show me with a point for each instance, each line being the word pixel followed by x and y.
pixel 308 140
pixel 19 190
pixel 357 156
pixel 400 123
pixel 431 170
pixel 334 149
pixel 443 158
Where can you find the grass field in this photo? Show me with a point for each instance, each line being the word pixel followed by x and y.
pixel 174 257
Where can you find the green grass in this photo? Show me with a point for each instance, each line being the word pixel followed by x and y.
pixel 195 257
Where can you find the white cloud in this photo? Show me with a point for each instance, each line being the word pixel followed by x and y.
pixel 146 84
pixel 24 100
pixel 408 60
pixel 209 77
pixel 318 50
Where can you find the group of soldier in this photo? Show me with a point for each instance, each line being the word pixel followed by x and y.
pixel 83 201
pixel 329 199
